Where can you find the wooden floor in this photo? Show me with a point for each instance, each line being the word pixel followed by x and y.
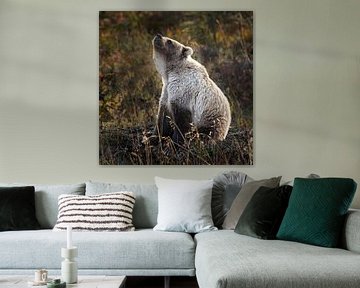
pixel 158 282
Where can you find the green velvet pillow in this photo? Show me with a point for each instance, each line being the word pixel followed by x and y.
pixel 316 211
pixel 263 214
pixel 17 208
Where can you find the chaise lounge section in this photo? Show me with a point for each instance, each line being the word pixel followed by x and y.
pixel 225 259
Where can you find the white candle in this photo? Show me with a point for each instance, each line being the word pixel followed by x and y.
pixel 69 237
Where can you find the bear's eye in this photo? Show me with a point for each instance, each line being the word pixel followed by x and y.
pixel 169 43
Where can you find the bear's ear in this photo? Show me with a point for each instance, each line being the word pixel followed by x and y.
pixel 187 51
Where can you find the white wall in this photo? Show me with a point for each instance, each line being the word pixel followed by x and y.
pixel 307 90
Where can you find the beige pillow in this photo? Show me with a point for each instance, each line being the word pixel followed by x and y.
pixel 243 198
pixel 104 212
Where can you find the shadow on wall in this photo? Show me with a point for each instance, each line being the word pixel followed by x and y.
pixel 48 54
pixel 38 139
pixel 48 96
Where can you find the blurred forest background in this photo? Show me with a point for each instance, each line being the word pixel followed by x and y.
pixel 130 87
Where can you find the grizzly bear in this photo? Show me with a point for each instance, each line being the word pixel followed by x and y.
pixel 189 97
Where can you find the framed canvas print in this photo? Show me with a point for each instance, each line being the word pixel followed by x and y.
pixel 176 88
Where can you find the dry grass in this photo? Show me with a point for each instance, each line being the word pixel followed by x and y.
pixel 139 146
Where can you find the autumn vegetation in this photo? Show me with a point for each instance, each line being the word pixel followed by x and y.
pixel 130 87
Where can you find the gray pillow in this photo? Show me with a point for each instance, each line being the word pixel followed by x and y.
pixel 243 198
pixel 146 206
pixel 310 176
pixel 46 200
pixel 226 187
pixel 184 205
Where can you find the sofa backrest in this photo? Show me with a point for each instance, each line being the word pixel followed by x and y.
pixel 146 203
pixel 46 200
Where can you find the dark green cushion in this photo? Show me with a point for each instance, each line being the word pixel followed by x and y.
pixel 17 208
pixel 264 213
pixel 316 211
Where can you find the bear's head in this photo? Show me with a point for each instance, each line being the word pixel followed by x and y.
pixel 168 53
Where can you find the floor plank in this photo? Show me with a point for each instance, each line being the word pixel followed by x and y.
pixel 158 282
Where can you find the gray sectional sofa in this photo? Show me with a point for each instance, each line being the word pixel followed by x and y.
pixel 218 259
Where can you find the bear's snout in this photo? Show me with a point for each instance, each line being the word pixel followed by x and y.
pixel 158 41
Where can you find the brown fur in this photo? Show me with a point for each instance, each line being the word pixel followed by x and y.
pixel 189 96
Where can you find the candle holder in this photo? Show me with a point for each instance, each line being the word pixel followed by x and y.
pixel 69 271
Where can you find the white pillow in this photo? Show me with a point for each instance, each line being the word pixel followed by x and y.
pixel 184 205
pixel 104 212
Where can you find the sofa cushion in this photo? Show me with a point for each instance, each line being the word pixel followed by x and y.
pixel 243 198
pixel 263 215
pixel 146 205
pixel 17 208
pixel 184 205
pixel 137 250
pixel 46 200
pixel 350 239
pixel 105 212
pixel 317 209
pixel 225 189
pixel 225 259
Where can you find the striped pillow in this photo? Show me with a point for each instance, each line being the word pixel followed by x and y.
pixel 105 212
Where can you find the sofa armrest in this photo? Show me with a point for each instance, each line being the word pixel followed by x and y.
pixel 351 234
